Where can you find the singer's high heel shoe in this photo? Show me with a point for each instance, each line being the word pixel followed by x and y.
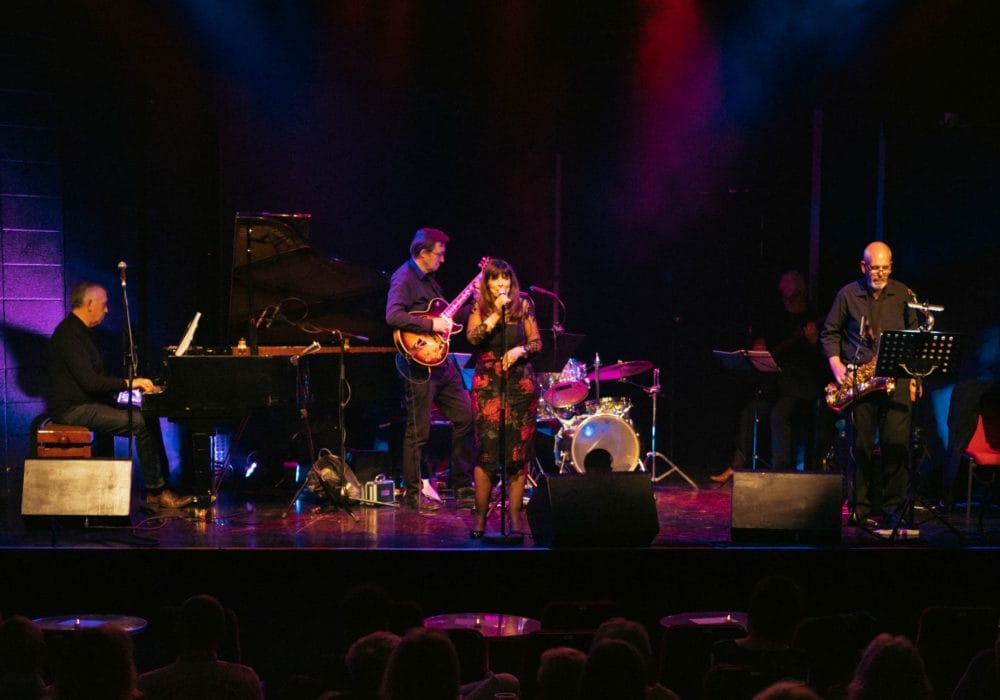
pixel 724 477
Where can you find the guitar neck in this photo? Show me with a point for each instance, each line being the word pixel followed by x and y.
pixel 454 306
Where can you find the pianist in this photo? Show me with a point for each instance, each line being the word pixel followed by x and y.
pixel 82 393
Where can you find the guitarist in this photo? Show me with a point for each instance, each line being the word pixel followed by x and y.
pixel 861 311
pixel 411 290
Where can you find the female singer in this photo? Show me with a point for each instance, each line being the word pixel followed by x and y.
pixel 499 298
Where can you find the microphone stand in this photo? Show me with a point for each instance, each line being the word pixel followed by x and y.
pixel 505 537
pixel 129 360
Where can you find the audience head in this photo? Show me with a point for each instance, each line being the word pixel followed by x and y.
pixel 202 624
pixel 787 690
pixel 559 672
pixel 613 671
pixel 890 668
pixel 775 609
pixel 366 661
pixel 22 646
pixel 423 666
pixel 627 631
pixel 98 664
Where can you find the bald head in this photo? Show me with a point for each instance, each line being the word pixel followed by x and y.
pixel 876 266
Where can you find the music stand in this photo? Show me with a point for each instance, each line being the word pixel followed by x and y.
pixel 553 356
pixel 916 354
pixel 751 362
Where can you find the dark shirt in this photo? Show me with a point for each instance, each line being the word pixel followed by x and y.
pixel 804 369
pixel 411 289
pixel 841 334
pixel 76 371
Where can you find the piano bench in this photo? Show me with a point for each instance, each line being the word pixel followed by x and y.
pixel 61 441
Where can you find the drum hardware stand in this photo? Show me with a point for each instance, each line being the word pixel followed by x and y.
pixel 650 462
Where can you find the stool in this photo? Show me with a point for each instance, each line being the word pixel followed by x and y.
pixel 62 441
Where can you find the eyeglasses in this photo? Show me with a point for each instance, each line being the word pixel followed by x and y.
pixel 878 268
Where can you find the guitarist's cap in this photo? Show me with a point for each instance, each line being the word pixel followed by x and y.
pixel 425 238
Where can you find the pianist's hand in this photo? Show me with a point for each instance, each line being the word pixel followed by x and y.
pixel 146 385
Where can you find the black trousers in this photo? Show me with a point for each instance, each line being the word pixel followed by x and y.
pixel 422 388
pixel 108 419
pixel 882 482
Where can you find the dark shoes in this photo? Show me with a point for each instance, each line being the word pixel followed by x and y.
pixel 167 499
pixel 423 505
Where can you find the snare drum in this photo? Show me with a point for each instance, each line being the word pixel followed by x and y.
pixel 603 431
pixel 612 405
pixel 567 388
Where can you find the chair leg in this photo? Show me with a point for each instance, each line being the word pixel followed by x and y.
pixel 968 496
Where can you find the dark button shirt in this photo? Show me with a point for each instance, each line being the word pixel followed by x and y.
pixel 841 334
pixel 76 371
pixel 411 289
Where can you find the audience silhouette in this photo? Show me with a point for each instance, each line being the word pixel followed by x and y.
pixel 22 659
pixel 614 671
pixel 890 669
pixel 198 672
pixel 560 671
pixel 423 666
pixel 98 663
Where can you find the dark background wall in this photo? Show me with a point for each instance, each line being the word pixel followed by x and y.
pixel 665 146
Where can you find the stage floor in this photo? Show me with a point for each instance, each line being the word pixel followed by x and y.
pixel 245 518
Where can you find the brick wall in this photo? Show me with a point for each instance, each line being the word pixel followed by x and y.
pixel 32 280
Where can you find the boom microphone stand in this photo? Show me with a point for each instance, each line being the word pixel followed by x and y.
pixel 505 537
pixel 129 359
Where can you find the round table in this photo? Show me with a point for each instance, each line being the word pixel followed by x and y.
pixel 68 623
pixel 712 618
pixel 491 625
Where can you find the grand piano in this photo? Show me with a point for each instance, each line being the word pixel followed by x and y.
pixel 284 297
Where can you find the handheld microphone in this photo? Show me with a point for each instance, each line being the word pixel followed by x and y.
pixel 539 290
pixel 121 271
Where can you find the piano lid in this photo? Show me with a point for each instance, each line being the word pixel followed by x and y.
pixel 273 264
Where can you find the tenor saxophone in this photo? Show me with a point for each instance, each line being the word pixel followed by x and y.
pixel 860 382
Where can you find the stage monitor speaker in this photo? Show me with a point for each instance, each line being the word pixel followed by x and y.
pixel 789 507
pixel 593 510
pixel 76 487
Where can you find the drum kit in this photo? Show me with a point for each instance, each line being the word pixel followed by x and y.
pixel 586 426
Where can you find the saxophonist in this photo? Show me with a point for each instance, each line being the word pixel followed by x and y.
pixel 861 310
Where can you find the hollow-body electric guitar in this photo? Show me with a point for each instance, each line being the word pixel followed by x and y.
pixel 431 349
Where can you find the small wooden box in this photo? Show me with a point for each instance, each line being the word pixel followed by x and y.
pixel 58 440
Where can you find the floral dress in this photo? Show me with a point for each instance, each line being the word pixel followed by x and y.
pixel 522 391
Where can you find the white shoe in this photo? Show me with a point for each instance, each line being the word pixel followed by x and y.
pixel 428 491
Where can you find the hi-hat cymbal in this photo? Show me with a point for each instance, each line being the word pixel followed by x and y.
pixel 620 370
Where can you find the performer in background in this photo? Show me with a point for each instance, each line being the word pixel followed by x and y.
pixel 803 369
pixel 412 288
pixel 784 400
pixel 82 393
pixel 500 298
pixel 861 311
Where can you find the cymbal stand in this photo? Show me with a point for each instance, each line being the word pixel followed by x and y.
pixel 650 461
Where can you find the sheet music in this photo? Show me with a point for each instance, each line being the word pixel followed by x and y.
pixel 185 343
pixel 759 360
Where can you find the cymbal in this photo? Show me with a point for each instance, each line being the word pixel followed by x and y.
pixel 620 370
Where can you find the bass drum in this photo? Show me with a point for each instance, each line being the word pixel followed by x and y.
pixel 605 432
